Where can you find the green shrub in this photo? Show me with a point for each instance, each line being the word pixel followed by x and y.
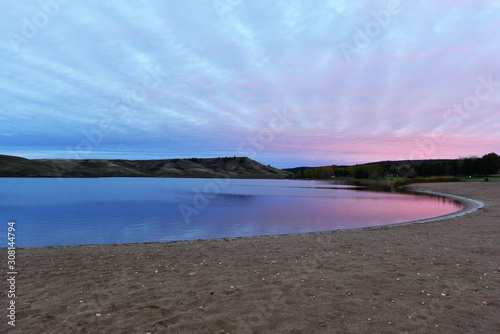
pixel 403 181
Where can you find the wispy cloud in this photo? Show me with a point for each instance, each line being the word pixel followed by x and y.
pixel 174 79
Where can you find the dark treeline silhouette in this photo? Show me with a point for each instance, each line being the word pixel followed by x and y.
pixel 486 165
pixel 373 171
pixel 224 159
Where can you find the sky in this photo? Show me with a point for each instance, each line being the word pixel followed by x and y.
pixel 288 83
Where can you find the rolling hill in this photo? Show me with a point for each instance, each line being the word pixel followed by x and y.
pixel 234 167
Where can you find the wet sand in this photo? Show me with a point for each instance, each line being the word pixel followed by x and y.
pixel 436 277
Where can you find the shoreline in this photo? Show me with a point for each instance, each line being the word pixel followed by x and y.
pixel 470 206
pixel 442 276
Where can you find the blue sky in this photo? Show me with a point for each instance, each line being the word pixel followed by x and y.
pixel 287 83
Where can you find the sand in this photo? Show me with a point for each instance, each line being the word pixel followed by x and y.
pixel 435 277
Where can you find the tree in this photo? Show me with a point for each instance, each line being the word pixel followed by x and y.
pixel 490 164
pixel 469 167
pixel 361 173
pixel 394 170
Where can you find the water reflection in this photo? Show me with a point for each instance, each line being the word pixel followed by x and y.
pixel 51 212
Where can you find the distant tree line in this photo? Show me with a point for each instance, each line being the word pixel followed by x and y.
pixel 223 159
pixel 486 165
pixel 373 171
pixel 229 159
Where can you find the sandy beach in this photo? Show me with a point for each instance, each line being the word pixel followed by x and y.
pixel 436 277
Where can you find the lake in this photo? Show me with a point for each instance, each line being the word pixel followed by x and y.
pixel 54 212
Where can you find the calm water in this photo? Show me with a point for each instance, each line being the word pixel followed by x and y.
pixel 51 212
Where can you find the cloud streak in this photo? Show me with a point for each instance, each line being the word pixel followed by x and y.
pixel 219 78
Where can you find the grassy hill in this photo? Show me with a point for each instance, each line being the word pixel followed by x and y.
pixel 237 167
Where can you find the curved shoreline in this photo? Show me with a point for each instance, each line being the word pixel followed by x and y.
pixel 471 205
pixel 441 276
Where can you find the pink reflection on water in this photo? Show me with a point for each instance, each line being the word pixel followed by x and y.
pixel 364 209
